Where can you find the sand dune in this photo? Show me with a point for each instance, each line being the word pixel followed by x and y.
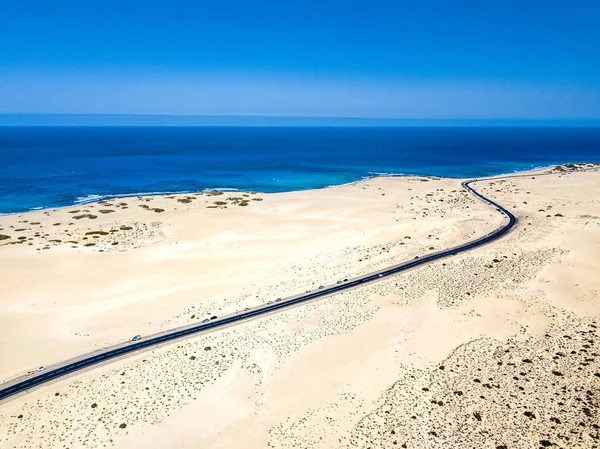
pixel 493 348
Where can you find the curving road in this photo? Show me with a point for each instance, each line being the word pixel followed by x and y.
pixel 23 383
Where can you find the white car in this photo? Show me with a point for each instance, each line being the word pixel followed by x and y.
pixel 41 368
pixel 136 338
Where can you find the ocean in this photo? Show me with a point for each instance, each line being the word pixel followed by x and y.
pixel 48 167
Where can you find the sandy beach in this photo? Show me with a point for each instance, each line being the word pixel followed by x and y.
pixel 494 348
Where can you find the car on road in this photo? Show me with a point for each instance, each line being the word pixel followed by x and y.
pixel 339 282
pixel 346 280
pixel 307 291
pixel 30 373
pixel 454 253
pixel 247 308
pixel 41 368
pixel 136 338
pixel 205 320
pixel 278 299
pixel 380 275
pixel 270 302
pixel 214 317
pixel 321 287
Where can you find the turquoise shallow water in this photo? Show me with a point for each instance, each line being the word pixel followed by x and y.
pixel 43 167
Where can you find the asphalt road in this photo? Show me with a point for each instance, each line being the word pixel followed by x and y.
pixel 23 384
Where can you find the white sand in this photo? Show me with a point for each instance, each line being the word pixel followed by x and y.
pixel 332 373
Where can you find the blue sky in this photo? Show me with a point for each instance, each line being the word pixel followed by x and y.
pixel 376 59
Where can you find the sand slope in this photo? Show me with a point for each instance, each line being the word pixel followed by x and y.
pixel 475 351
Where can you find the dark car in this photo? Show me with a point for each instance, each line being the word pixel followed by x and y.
pixel 213 317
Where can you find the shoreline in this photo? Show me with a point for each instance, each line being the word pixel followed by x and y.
pixel 99 197
pixel 419 338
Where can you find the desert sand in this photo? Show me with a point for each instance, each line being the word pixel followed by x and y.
pixel 494 348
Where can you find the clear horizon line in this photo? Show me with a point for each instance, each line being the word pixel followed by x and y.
pixel 119 119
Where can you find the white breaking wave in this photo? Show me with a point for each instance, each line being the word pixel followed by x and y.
pixel 391 174
pixel 89 199
pixel 221 189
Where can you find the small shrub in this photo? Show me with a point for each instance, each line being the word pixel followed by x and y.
pixel 90 216
pixel 220 203
pixel 4 237
pixel 90 244
pixel 96 233
pixel 106 211
pixel 158 210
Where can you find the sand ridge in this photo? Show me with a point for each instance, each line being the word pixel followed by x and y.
pixel 350 370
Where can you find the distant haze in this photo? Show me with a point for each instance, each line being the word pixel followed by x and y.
pixel 509 60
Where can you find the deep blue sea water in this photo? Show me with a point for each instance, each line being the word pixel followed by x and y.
pixel 43 167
